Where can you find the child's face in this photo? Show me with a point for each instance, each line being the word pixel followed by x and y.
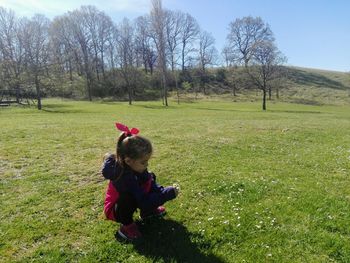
pixel 139 165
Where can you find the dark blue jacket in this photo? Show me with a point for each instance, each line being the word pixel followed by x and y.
pixel 142 186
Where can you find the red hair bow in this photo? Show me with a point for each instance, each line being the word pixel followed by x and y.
pixel 126 130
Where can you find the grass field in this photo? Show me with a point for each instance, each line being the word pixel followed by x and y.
pixel 256 186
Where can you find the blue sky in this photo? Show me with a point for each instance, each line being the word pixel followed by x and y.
pixel 310 33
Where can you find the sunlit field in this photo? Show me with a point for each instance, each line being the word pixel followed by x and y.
pixel 255 186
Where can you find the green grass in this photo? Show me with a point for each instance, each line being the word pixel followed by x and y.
pixel 317 87
pixel 256 186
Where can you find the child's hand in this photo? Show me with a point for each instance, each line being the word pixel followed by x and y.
pixel 177 189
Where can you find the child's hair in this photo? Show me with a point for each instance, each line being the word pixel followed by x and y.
pixel 132 146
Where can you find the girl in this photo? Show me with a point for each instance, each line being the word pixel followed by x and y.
pixel 131 186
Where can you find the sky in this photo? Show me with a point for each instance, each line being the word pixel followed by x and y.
pixel 310 33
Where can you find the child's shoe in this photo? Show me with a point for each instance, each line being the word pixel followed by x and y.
pixel 158 212
pixel 129 232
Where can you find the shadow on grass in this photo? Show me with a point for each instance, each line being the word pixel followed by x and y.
pixel 62 111
pixel 60 108
pixel 215 109
pixel 169 241
pixel 295 111
pixel 154 107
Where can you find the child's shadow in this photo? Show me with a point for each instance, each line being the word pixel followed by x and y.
pixel 169 241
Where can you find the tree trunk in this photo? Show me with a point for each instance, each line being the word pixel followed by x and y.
pixel 161 94
pixel 183 58
pixel 264 99
pixel 130 95
pixel 165 90
pixel 18 95
pixel 234 90
pixel 96 65
pixel 203 87
pixel 89 83
pixel 177 88
pixel 70 70
pixel 37 87
pixel 103 66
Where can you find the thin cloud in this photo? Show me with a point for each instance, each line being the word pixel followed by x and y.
pixel 52 8
pixel 138 6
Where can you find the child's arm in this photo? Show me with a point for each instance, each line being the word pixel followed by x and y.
pixel 147 201
pixel 155 188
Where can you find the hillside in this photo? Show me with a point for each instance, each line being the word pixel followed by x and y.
pixel 314 86
pixel 303 85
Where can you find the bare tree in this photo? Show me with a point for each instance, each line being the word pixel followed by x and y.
pixel 81 38
pixel 244 34
pixel 189 33
pixel 11 50
pixel 105 34
pixel 251 43
pixel 89 21
pixel 126 51
pixel 173 22
pixel 111 48
pixel 225 53
pixel 264 66
pixel 145 48
pixel 65 52
pixel 36 51
pixel 99 26
pixel 158 24
pixel 207 55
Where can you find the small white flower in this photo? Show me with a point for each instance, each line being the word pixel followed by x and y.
pixel 238 225
pixel 227 221
pixel 210 218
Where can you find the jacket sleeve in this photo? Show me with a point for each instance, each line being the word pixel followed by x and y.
pixel 155 188
pixel 148 201
pixel 109 168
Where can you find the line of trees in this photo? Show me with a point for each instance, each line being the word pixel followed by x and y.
pixel 83 53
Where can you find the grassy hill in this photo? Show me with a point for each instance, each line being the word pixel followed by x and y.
pixel 314 86
pixel 256 186
pixel 303 85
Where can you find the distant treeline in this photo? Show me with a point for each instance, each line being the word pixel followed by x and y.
pixel 84 54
